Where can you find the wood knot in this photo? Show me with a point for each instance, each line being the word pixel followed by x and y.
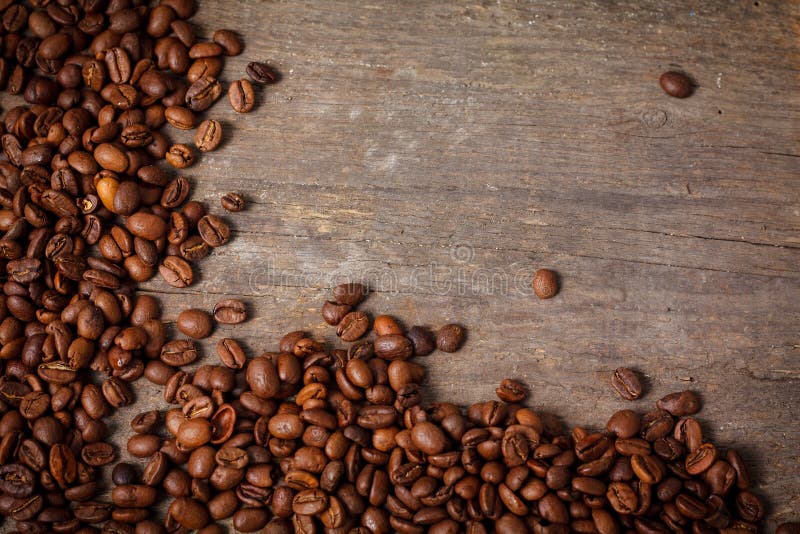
pixel 655 118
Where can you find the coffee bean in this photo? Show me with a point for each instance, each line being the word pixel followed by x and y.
pixel 545 284
pixel 626 382
pixel 208 137
pixel 450 338
pixel 353 326
pixel 241 96
pixel 176 272
pixel 350 294
pixel 511 391
pixel 333 313
pixel 261 73
pixel 422 339
pixel 231 353
pixel 676 84
pixel 230 311
pixel 680 403
pixel 195 323
pixel 180 156
pixel 232 202
pixel 214 231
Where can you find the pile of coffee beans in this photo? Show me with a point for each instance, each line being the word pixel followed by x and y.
pixel 313 439
pixel 90 205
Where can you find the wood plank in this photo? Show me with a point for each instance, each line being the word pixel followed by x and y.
pixel 442 151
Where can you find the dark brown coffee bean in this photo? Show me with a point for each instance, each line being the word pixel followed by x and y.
pixel 214 231
pixel 676 84
pixel 176 272
pixel 180 156
pixel 145 422
pixel 450 338
pixel 262 377
pixel 231 353
pixel 178 352
pixel 189 513
pixel 229 42
pixel 230 311
pixel 233 202
pixel 353 326
pixel 511 391
pixel 351 293
pixel 261 73
pixel 680 403
pixel 626 382
pixel 423 340
pixel 203 93
pixel 393 347
pixel 195 323
pixel 241 96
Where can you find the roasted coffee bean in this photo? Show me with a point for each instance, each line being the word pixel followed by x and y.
pixel 230 311
pixel 511 391
pixel 261 73
pixel 241 96
pixel 208 137
pixel 195 323
pixel 450 338
pixel 422 339
pixel 233 202
pixel 680 403
pixel 676 84
pixel 350 293
pixel 231 353
pixel 353 326
pixel 214 231
pixel 545 284
pixel 626 382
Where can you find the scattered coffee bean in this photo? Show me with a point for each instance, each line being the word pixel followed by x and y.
pixel 626 382
pixel 676 84
pixel 230 311
pixel 450 338
pixel 195 323
pixel 233 202
pixel 545 284
pixel 261 73
pixel 208 135
pixel 241 96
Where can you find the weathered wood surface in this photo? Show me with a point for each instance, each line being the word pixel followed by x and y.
pixel 443 151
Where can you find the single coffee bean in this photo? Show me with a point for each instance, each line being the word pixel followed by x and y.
pixel 180 156
pixel 230 311
pixel 241 96
pixel 351 293
pixel 195 323
pixel 214 231
pixel 261 73
pixel 353 326
pixel 545 284
pixel 450 338
pixel 511 391
pixel 423 340
pixel 680 403
pixel 208 136
pixel 676 84
pixel 333 312
pixel 626 382
pixel 231 353
pixel 233 202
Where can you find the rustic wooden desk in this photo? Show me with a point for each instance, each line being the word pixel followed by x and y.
pixel 442 151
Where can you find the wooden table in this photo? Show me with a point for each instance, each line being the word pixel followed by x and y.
pixel 441 152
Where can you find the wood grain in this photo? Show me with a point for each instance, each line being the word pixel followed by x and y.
pixel 442 151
